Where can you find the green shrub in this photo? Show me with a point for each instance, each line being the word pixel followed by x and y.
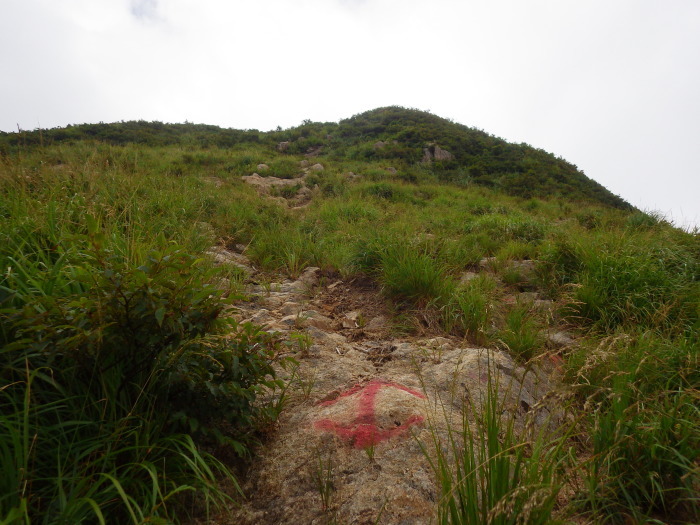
pixel 469 309
pixel 644 221
pixel 101 379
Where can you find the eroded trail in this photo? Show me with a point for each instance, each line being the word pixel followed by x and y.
pixel 348 445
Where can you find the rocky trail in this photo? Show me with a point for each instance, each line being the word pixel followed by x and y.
pixel 347 447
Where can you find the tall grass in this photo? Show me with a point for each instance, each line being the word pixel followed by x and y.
pixel 487 473
pixel 641 393
pixel 628 278
pixel 106 395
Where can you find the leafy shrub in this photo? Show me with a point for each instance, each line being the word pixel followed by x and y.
pixel 100 378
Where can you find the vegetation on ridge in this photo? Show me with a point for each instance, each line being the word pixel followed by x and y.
pixel 116 362
pixel 477 157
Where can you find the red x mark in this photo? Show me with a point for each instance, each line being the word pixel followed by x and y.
pixel 363 431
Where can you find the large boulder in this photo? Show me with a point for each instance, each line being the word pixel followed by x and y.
pixel 435 152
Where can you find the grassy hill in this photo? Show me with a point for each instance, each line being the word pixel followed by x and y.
pixel 118 361
pixel 477 157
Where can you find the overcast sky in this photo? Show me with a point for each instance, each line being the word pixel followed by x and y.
pixel 612 86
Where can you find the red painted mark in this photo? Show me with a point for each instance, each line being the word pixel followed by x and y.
pixel 363 431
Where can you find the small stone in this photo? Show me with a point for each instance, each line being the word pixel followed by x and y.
pixel 310 276
pixel 325 338
pixel 487 262
pixel 283 146
pixel 262 316
pixel 543 304
pixel 560 339
pixel 317 167
pixel 290 308
pixel 377 324
pixel 263 167
pixel 467 276
pixel 223 256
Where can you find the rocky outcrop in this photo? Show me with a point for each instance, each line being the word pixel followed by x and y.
pixel 361 405
pixel 435 152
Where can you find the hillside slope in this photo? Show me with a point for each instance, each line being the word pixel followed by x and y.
pixel 393 134
pixel 342 328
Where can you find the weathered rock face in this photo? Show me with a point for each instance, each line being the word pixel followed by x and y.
pixel 283 146
pixel 361 404
pixel 265 183
pixel 435 152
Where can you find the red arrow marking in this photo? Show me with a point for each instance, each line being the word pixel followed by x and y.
pixel 363 431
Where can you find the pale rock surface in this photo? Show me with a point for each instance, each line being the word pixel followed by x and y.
pixel 365 407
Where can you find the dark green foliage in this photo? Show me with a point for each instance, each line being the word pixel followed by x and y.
pixel 518 169
pixel 99 381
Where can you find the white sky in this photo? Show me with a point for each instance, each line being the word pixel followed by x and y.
pixel 612 86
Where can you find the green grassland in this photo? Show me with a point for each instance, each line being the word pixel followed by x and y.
pixel 116 360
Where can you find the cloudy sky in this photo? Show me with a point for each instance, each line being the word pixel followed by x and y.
pixel 610 85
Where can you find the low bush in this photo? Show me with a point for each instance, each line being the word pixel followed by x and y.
pixel 104 382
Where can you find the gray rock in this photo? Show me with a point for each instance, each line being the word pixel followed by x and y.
pixel 310 276
pixel 435 152
pixel 560 339
pixel 290 308
pixel 377 324
pixel 222 256
pixel 467 277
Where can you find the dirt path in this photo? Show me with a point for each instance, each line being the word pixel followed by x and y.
pixel 348 445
